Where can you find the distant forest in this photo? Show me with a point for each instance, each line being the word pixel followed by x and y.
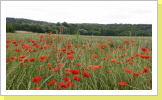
pixel 13 24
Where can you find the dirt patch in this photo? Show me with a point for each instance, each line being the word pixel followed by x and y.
pixel 23 32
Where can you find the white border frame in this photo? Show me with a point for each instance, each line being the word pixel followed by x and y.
pixel 5 92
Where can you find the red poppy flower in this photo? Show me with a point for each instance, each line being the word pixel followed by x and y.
pixel 61 29
pixel 144 49
pixel 54 51
pixel 108 56
pixel 104 58
pixel 69 47
pixel 35 44
pixel 76 72
pixel 144 56
pixel 77 78
pixel 62 84
pixel 67 69
pixel 32 41
pixel 31 59
pixel 67 73
pixel 18 50
pixel 107 71
pixel 135 74
pixel 7 46
pixel 145 69
pixel 129 59
pixel 118 62
pixel 100 65
pixel 66 79
pixel 51 83
pixel 131 62
pixel 139 72
pixel 7 60
pixel 59 67
pixel 94 56
pixel 47 56
pixel 50 33
pixel 13 58
pixel 22 56
pixel 128 70
pixel 137 54
pixel 126 41
pixel 16 44
pixel 95 67
pixel 29 40
pixel 51 41
pixel 70 56
pixel 63 49
pixel 86 74
pixel 55 70
pixel 42 57
pixel 72 51
pixel 44 47
pixel 78 64
pixel 34 50
pixel 104 46
pixel 41 36
pixel 23 59
pixel 36 80
pixel 38 88
pixel 112 60
pixel 90 66
pixel 7 41
pixel 132 41
pixel 122 83
pixel 70 83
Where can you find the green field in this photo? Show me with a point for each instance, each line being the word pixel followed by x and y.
pixel 76 62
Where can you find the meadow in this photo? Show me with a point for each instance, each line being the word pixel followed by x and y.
pixel 49 61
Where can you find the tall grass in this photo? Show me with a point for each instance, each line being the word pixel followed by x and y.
pixel 19 74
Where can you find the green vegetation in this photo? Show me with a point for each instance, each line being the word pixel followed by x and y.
pixel 55 61
pixel 10 28
pixel 83 28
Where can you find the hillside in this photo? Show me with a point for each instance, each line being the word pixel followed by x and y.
pixel 82 28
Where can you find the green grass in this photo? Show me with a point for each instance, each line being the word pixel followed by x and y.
pixel 20 74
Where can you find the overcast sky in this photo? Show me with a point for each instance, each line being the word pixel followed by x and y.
pixel 103 12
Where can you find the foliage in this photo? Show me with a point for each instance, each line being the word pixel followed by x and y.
pixel 53 62
pixel 10 28
pixel 84 28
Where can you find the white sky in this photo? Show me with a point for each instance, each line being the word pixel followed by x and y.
pixel 103 12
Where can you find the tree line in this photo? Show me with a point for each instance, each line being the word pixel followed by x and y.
pixel 13 24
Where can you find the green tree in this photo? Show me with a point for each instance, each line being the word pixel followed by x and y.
pixel 10 28
pixel 65 24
